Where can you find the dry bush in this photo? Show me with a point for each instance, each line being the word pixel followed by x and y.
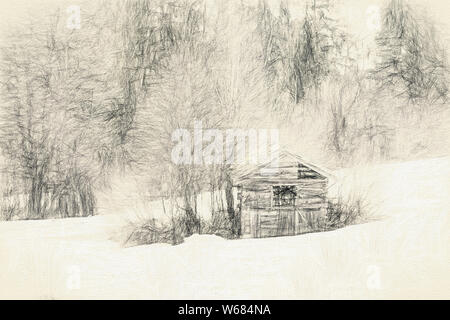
pixel 151 231
pixel 342 212
pixel 10 205
pixel 219 225
pixel 9 208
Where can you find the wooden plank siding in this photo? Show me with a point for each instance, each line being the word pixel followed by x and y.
pixel 260 217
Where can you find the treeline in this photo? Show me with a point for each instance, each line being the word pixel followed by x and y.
pixel 77 104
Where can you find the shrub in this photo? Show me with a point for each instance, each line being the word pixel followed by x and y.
pixel 343 212
pixel 219 225
pixel 152 231
pixel 149 231
pixel 10 205
pixel 9 208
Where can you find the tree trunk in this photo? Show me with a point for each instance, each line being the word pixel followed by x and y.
pixel 35 199
pixel 232 215
pixel 192 223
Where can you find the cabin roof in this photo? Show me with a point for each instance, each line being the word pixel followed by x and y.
pixel 245 172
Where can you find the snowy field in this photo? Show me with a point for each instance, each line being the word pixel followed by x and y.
pixel 403 255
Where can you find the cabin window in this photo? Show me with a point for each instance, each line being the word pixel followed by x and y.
pixel 284 195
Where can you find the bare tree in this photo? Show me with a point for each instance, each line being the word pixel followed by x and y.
pixel 177 95
pixel 53 91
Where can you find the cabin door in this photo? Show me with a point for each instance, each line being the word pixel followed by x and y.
pixel 286 222
pixel 284 203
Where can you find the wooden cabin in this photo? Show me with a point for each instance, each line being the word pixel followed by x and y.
pixel 288 197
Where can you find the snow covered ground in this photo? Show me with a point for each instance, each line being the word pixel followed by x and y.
pixel 403 255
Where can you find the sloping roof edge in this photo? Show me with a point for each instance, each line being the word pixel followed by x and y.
pixel 283 154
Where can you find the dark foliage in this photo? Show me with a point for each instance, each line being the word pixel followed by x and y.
pixel 413 64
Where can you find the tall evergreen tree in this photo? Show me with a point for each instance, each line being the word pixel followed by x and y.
pixel 298 54
pixel 411 62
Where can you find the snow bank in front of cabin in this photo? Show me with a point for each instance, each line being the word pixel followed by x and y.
pixel 404 255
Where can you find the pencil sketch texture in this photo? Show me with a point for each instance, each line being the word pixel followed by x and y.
pixel 205 149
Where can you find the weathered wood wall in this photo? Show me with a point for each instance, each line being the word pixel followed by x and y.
pixel 261 218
